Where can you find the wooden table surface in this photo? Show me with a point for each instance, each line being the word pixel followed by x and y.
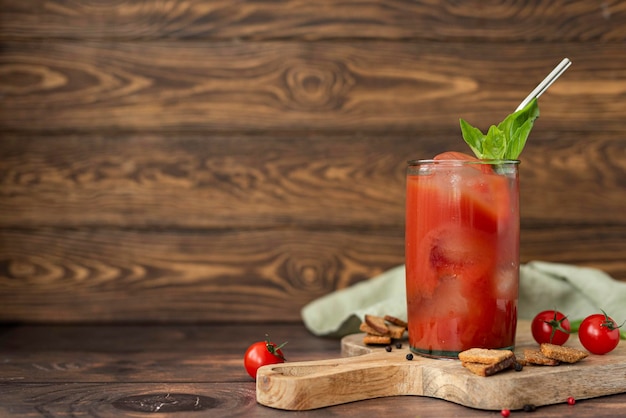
pixel 188 370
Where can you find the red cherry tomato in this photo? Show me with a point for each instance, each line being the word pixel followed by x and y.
pixel 550 327
pixel 262 353
pixel 598 333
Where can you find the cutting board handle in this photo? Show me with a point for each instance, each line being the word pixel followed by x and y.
pixel 316 384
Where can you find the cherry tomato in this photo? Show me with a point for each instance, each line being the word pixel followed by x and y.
pixel 262 353
pixel 550 327
pixel 598 333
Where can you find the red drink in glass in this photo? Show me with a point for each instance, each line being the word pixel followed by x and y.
pixel 462 255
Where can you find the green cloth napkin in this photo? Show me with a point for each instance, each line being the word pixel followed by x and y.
pixel 575 291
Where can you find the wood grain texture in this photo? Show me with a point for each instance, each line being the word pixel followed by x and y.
pixel 226 341
pixel 39 374
pixel 271 181
pixel 398 20
pixel 145 353
pixel 238 400
pixel 181 160
pixel 58 371
pixel 105 275
pixel 277 86
pixel 198 181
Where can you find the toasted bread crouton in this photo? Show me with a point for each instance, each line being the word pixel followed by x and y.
pixel 536 357
pixel 371 331
pixel 564 354
pixel 377 323
pixel 396 332
pixel 485 356
pixel 522 361
pixel 485 370
pixel 396 321
pixel 369 339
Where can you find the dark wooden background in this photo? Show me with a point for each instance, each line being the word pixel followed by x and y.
pixel 233 160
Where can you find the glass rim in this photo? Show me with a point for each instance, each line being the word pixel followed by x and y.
pixel 462 162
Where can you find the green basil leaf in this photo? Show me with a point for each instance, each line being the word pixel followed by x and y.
pixel 517 127
pixel 507 139
pixel 494 144
pixel 518 140
pixel 513 121
pixel 473 137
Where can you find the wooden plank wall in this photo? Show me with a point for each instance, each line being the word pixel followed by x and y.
pixel 231 160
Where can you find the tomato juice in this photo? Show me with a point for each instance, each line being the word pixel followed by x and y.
pixel 462 255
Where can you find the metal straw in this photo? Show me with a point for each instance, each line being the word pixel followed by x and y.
pixel 547 82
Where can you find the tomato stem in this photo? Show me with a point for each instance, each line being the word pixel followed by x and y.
pixel 610 324
pixel 555 324
pixel 273 348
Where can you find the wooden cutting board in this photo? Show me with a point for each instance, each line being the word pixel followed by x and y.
pixel 366 372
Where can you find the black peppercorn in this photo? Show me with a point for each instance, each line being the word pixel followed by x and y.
pixel 398 345
pixel 409 356
pixel 529 408
pixel 518 366
pixel 388 348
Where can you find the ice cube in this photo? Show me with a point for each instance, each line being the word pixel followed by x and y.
pixel 506 282
pixel 461 252
pixel 448 301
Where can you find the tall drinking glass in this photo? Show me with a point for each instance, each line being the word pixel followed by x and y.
pixel 462 255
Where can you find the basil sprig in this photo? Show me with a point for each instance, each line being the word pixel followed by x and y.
pixel 505 141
